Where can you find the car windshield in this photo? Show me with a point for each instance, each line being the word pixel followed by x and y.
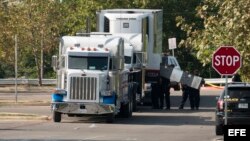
pixel 239 92
pixel 89 63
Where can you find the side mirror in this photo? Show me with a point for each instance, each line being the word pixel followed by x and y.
pixel 119 58
pixel 54 63
pixel 139 59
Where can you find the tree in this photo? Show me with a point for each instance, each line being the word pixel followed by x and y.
pixel 8 27
pixel 40 24
pixel 37 25
pixel 39 33
pixel 225 23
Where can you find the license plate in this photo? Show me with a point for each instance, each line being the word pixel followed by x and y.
pixel 243 105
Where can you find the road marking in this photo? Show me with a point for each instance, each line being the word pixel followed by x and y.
pixel 92 126
pixel 219 139
pixel 93 137
pixel 129 139
pixel 6 116
pixel 76 128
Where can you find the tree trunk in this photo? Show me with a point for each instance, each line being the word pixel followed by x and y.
pixel 42 58
pixel 38 69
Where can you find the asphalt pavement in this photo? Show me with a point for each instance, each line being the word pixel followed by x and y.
pixel 33 103
pixel 29 119
pixel 25 104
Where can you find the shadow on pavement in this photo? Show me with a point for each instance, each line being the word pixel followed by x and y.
pixel 148 116
pixel 148 109
pixel 205 101
pixel 166 120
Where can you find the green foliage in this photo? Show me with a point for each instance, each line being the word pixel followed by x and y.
pixel 225 23
pixel 40 23
pixel 36 25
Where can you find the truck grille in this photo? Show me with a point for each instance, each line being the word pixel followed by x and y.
pixel 83 88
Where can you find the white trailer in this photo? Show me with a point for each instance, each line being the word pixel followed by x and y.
pixel 142 31
pixel 91 78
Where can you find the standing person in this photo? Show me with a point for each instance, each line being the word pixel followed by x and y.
pixel 186 93
pixel 196 93
pixel 155 92
pixel 165 92
pixel 194 98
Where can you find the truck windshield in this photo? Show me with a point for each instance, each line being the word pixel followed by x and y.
pixel 89 63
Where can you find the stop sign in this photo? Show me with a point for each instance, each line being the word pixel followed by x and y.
pixel 226 60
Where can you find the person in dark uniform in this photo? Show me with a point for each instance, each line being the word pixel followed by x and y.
pixel 186 93
pixel 165 92
pixel 195 98
pixel 196 93
pixel 155 92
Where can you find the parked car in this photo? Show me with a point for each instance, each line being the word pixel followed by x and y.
pixel 238 106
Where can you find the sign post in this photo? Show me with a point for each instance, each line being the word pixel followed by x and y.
pixel 172 44
pixel 16 68
pixel 226 61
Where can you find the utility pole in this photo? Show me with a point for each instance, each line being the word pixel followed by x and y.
pixel 16 67
pixel 42 57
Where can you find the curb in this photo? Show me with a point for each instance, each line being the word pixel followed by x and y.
pixel 27 89
pixel 24 103
pixel 4 116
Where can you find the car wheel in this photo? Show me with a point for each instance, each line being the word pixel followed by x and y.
pixel 219 129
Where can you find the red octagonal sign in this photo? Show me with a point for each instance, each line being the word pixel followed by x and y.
pixel 226 60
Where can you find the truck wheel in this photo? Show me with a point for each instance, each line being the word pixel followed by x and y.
pixel 134 103
pixel 131 106
pixel 110 118
pixel 219 130
pixel 57 116
pixel 125 110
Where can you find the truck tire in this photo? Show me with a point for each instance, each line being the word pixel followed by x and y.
pixel 57 116
pixel 219 130
pixel 110 118
pixel 131 105
pixel 134 102
pixel 126 110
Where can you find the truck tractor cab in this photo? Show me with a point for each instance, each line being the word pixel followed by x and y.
pixel 89 77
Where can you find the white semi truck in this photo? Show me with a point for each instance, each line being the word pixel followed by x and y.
pixel 91 78
pixel 142 31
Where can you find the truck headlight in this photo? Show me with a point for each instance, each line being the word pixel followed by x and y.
pixel 58 94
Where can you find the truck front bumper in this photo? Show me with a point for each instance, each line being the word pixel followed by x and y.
pixel 82 108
